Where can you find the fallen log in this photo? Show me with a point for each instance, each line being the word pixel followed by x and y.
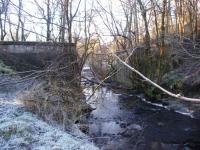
pixel 178 96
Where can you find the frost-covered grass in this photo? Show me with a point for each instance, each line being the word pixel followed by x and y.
pixel 21 130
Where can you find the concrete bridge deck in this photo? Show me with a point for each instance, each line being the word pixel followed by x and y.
pixel 25 56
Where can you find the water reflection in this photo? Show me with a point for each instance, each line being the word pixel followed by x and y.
pixel 126 122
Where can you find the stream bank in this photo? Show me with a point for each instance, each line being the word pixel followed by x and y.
pixel 121 120
pixel 177 71
pixel 22 130
pixel 118 121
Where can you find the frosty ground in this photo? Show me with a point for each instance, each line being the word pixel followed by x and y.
pixel 21 130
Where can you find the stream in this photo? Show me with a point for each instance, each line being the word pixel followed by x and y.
pixel 122 121
pixel 118 121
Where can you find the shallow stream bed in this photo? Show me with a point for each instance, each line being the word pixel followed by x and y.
pixel 121 121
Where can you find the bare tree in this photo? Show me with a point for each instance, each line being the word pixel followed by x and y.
pixel 47 15
pixel 128 8
pixel 144 15
pixel 48 20
pixel 3 17
pixel 63 4
pixel 18 32
pixel 163 28
pixel 89 43
pixel 156 19
pixel 21 23
pixel 136 23
pixel 69 10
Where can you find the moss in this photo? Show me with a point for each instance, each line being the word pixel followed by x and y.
pixel 153 93
pixel 126 83
pixel 173 80
pixel 5 69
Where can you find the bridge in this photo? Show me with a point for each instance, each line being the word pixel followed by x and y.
pixel 26 56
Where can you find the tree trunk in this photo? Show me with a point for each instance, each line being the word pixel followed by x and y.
pixel 136 23
pixel 3 17
pixel 147 35
pixel 162 46
pixel 48 21
pixel 156 21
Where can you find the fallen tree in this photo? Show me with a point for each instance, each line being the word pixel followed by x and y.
pixel 178 96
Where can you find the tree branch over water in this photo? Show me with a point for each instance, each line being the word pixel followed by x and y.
pixel 178 96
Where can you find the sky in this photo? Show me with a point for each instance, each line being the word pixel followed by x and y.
pixel 31 12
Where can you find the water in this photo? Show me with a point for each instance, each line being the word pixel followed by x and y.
pixel 127 122
pixel 123 122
